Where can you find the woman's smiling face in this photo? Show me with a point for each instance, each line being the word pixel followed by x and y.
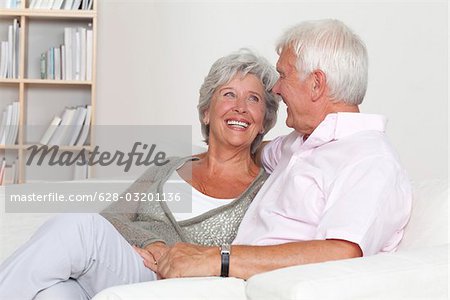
pixel 236 113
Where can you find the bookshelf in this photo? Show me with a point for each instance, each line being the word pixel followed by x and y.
pixel 42 99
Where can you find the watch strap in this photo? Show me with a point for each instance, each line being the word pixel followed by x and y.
pixel 225 251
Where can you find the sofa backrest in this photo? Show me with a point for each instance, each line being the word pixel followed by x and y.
pixel 428 225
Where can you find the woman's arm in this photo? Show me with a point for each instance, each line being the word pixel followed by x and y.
pixel 122 214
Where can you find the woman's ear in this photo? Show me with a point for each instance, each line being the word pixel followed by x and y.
pixel 206 117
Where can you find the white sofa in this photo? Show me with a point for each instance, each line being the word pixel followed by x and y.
pixel 418 270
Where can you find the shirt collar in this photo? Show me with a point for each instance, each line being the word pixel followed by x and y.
pixel 336 126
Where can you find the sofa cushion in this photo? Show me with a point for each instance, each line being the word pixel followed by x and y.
pixel 409 274
pixel 428 224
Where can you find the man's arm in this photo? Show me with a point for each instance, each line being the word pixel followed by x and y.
pixel 186 260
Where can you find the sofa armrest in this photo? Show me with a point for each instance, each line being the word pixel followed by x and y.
pixel 411 274
pixel 214 288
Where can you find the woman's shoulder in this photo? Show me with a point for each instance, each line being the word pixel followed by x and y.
pixel 164 169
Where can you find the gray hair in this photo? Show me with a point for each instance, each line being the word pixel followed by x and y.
pixel 330 46
pixel 223 71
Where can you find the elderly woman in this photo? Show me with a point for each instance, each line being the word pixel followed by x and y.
pixel 74 256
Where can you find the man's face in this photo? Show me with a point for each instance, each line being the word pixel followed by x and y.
pixel 295 89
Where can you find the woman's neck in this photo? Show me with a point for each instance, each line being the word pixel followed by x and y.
pixel 220 174
pixel 236 161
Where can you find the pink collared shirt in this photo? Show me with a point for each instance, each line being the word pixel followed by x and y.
pixel 344 182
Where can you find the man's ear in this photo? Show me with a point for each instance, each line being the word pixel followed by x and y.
pixel 319 84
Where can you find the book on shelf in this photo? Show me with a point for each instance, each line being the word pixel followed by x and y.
pixel 57 63
pixel 77 53
pixel 4 59
pixel 57 4
pixel 50 64
pixel 10 124
pixel 69 129
pixel 9 3
pixel 72 60
pixel 9 64
pixel 60 133
pixel 63 62
pixel 76 4
pixel 86 126
pixel 82 52
pixel 68 52
pixel 42 4
pixel 8 173
pixel 2 170
pixel 85 5
pixel 38 4
pixel 3 124
pixel 43 65
pixel 89 54
pixel 5 137
pixel 47 4
pixel 15 48
pixel 10 52
pixel 50 130
pixel 77 125
pixel 68 4
pixel 15 124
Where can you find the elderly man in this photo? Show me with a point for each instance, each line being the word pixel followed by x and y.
pixel 336 189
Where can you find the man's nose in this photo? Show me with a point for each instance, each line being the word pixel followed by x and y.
pixel 276 87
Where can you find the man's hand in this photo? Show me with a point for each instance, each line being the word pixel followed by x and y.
pixel 152 253
pixel 188 260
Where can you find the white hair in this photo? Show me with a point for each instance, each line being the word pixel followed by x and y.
pixel 330 46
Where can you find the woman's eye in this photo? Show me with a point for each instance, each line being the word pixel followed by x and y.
pixel 229 94
pixel 254 98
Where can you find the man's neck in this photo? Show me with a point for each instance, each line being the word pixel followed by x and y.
pixel 334 107
pixel 343 107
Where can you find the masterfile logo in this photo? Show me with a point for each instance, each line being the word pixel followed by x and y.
pixel 96 157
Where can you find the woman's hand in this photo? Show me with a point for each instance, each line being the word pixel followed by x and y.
pixel 151 254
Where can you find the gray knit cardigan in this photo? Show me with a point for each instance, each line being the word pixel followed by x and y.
pixel 142 223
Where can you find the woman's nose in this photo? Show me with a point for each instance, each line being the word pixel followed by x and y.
pixel 241 105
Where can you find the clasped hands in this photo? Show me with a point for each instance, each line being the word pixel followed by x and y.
pixel 180 260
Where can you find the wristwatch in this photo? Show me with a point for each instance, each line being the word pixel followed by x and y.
pixel 225 252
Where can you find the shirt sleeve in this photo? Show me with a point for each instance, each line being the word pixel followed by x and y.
pixel 271 153
pixel 369 204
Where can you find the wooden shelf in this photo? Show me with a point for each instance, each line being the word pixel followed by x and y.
pixel 33 93
pixel 63 148
pixel 45 13
pixel 9 81
pixel 10 147
pixel 45 81
pixel 61 82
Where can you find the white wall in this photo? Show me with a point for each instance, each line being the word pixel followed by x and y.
pixel 153 56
